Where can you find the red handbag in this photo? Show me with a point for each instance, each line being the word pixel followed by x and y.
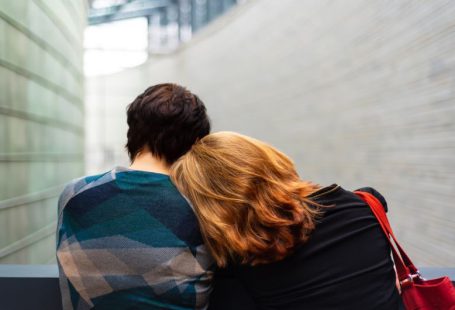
pixel 417 293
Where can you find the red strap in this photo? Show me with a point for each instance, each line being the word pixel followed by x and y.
pixel 403 263
pixel 379 211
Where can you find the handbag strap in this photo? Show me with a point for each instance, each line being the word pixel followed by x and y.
pixel 406 269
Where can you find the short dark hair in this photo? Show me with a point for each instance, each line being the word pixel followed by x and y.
pixel 167 119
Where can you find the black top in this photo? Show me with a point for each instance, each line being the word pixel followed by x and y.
pixel 345 264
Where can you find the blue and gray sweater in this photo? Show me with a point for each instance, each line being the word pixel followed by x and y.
pixel 127 239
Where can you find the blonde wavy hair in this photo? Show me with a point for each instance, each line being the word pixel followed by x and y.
pixel 248 198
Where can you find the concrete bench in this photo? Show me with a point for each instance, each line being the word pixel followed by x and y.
pixel 26 287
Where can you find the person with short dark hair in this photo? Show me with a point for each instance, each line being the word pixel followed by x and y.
pixel 165 120
pixel 127 239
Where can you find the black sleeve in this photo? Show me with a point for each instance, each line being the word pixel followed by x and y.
pixel 229 293
pixel 376 194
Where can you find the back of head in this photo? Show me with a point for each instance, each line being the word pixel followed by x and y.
pixel 248 198
pixel 166 119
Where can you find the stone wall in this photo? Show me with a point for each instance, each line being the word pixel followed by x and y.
pixel 356 92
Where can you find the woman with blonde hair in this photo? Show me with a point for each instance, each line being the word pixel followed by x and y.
pixel 281 242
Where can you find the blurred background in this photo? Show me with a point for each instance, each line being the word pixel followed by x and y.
pixel 356 92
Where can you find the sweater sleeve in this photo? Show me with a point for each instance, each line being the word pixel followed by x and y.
pixel 229 292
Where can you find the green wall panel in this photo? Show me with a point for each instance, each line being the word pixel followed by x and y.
pixel 41 121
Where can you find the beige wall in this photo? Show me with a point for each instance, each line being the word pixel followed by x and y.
pixel 357 92
pixel 41 121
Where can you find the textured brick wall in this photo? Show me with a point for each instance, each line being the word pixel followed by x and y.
pixel 357 92
pixel 41 120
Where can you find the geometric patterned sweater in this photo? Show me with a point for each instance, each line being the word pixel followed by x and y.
pixel 127 239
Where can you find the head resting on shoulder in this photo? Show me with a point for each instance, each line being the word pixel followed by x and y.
pixel 248 198
pixel 166 120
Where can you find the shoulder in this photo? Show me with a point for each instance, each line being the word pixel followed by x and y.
pixel 80 185
pixel 376 194
pixel 337 196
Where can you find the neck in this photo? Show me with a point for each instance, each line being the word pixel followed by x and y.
pixel 146 161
